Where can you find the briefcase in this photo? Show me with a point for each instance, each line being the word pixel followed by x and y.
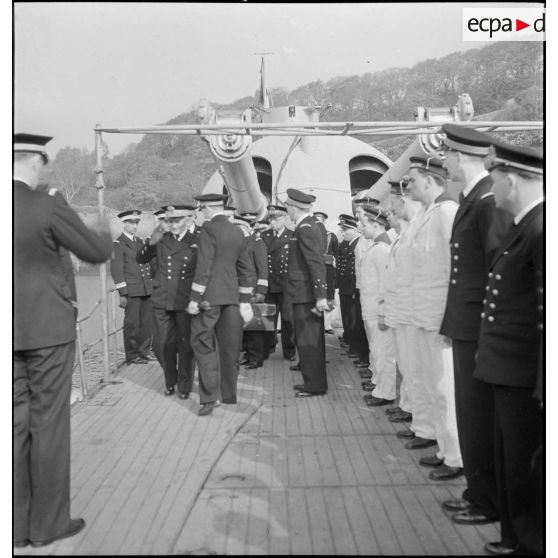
pixel 264 318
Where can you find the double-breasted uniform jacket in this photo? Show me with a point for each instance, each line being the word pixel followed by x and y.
pixel 130 277
pixel 477 232
pixel 44 289
pixel 430 256
pixel 346 279
pixel 513 313
pixel 174 265
pixel 306 275
pixel 223 268
pixel 277 258
pixel 258 258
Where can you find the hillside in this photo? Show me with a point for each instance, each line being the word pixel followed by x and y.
pixel 505 80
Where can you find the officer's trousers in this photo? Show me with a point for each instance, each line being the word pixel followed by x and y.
pixel 137 326
pixel 382 360
pixel 216 339
pixel 474 406
pixel 436 368
pixel 348 317
pixel 287 336
pixel 177 355
pixel 41 436
pixel 402 357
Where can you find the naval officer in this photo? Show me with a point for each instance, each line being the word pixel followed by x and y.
pixel 478 229
pixel 45 310
pixel 510 347
pixel 306 292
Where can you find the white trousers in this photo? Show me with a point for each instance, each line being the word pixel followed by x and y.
pixel 382 360
pixel 401 349
pixel 436 368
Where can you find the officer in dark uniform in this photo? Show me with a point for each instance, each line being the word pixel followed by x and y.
pixel 219 299
pixel 346 277
pixel 306 292
pixel 174 254
pixel 253 340
pixel 276 240
pixel 509 353
pixel 133 282
pixel 45 310
pixel 330 257
pixel 477 232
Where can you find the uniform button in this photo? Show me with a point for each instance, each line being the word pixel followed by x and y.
pixel 169 257
pixel 455 257
pixel 490 318
pixel 498 277
pixel 456 244
pixel 455 269
pixel 491 275
pixel 453 281
pixel 540 327
pixel 540 307
pixel 483 315
pixel 495 292
pixel 487 288
pixel 169 276
pixel 484 301
pixel 492 305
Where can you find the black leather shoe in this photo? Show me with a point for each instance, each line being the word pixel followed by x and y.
pixel 253 365
pixel 365 374
pixel 302 394
pixel 369 386
pixel 418 443
pixel 244 362
pixel 169 391
pixel 229 401
pixel 498 548
pixel 149 356
pixel 295 368
pixel 471 517
pixel 361 363
pixel 76 525
pixel 405 434
pixel 21 544
pixel 301 387
pixel 377 401
pixel 137 360
pixel 183 395
pixel 207 408
pixel 353 355
pixel 290 358
pixel 329 331
pixel 403 416
pixel 393 410
pixel 456 505
pixel 445 472
pixel 431 461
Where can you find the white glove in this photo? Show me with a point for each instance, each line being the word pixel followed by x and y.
pixel 321 305
pixel 246 311
pixel 193 308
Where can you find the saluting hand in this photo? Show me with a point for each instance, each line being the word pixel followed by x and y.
pixel 156 235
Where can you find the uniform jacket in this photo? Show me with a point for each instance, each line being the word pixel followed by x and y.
pixel 277 258
pixel 174 265
pixel 346 280
pixel 130 278
pixel 306 279
pixel 374 263
pixel 430 251
pixel 258 259
pixel 223 268
pixel 360 249
pixel 478 230
pixel 45 228
pixel 512 318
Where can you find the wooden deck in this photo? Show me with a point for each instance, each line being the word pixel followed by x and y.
pixel 270 475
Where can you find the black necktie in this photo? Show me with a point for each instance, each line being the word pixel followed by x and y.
pixel 176 236
pixel 461 197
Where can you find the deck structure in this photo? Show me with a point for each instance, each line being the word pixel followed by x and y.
pixel 270 475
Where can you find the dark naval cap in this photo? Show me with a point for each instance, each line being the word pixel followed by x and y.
pixel 243 219
pixel 320 214
pixel 31 143
pixel 177 211
pixel 229 208
pixel 160 213
pixel 366 200
pixel 211 199
pixel 130 215
pixel 377 214
pixel 276 210
pixel 513 157
pixel 347 221
pixel 429 164
pixel 398 188
pixel 466 140
pixel 300 199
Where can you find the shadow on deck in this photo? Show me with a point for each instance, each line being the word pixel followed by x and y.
pixel 270 475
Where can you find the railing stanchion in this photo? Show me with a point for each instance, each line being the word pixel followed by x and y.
pixel 83 377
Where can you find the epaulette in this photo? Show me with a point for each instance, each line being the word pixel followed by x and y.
pixel 52 191
pixel 486 195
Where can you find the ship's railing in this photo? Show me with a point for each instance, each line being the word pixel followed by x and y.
pixel 82 348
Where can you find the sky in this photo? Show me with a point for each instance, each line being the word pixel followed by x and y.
pixel 126 64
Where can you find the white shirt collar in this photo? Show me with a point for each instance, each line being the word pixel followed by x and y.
pixel 279 233
pixel 218 213
pixel 472 183
pixel 131 237
pixel 16 178
pixel 526 210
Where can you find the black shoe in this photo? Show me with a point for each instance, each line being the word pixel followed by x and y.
pixel 445 472
pixel 137 360
pixel 471 517
pixel 169 391
pixel 244 361
pixel 353 355
pixel 369 386
pixel 419 443
pixel 229 401
pixel 21 544
pixel 403 416
pixel 456 505
pixel 148 355
pixel 302 394
pixel 76 525
pixel 405 434
pixel 289 358
pixel 377 401
pixel 431 461
pixel 300 387
pixel 498 548
pixel 207 408
pixel 183 395
pixel 393 410
pixel 329 331
pixel 295 368
pixel 253 365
